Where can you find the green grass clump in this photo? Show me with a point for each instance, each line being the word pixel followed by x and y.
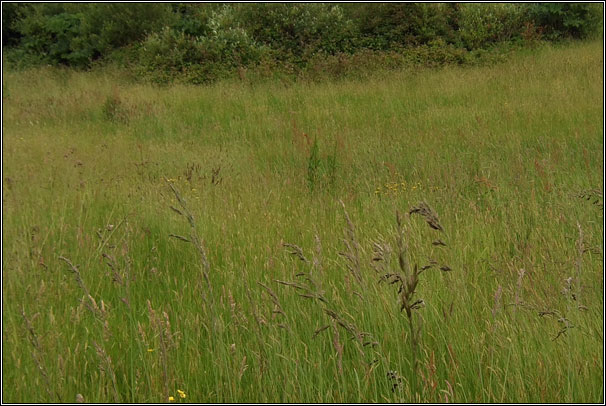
pixel 190 243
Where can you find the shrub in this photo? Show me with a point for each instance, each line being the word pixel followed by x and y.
pixel 165 55
pixel 482 24
pixel 113 25
pixel 394 25
pixel 201 42
pixel 192 18
pixel 11 14
pixel 170 54
pixel 297 31
pixel 567 20
pixel 75 34
pixel 56 36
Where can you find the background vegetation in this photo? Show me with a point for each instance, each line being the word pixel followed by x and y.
pixel 199 43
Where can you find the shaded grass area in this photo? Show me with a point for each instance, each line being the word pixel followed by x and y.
pixel 510 157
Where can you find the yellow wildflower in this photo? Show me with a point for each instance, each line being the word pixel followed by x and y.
pixel 171 398
pixel 182 394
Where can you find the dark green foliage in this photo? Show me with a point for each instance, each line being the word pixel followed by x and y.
pixel 192 18
pixel 567 20
pixel 113 25
pixel 385 26
pixel 74 33
pixel 198 43
pixel 54 34
pixel 11 14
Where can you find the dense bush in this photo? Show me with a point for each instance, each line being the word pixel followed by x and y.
pixel 53 34
pixel 11 15
pixel 113 25
pixel 201 42
pixel 567 20
pixel 193 18
pixel 75 34
pixel 295 31
pixel 197 59
pixel 387 26
pixel 481 24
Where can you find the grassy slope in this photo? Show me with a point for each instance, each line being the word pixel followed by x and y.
pixel 499 152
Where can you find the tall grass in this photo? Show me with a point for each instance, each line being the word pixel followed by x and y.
pixel 144 231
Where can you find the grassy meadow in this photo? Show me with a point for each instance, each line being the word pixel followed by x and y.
pixel 270 241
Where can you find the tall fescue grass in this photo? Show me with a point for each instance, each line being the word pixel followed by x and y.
pixel 239 242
